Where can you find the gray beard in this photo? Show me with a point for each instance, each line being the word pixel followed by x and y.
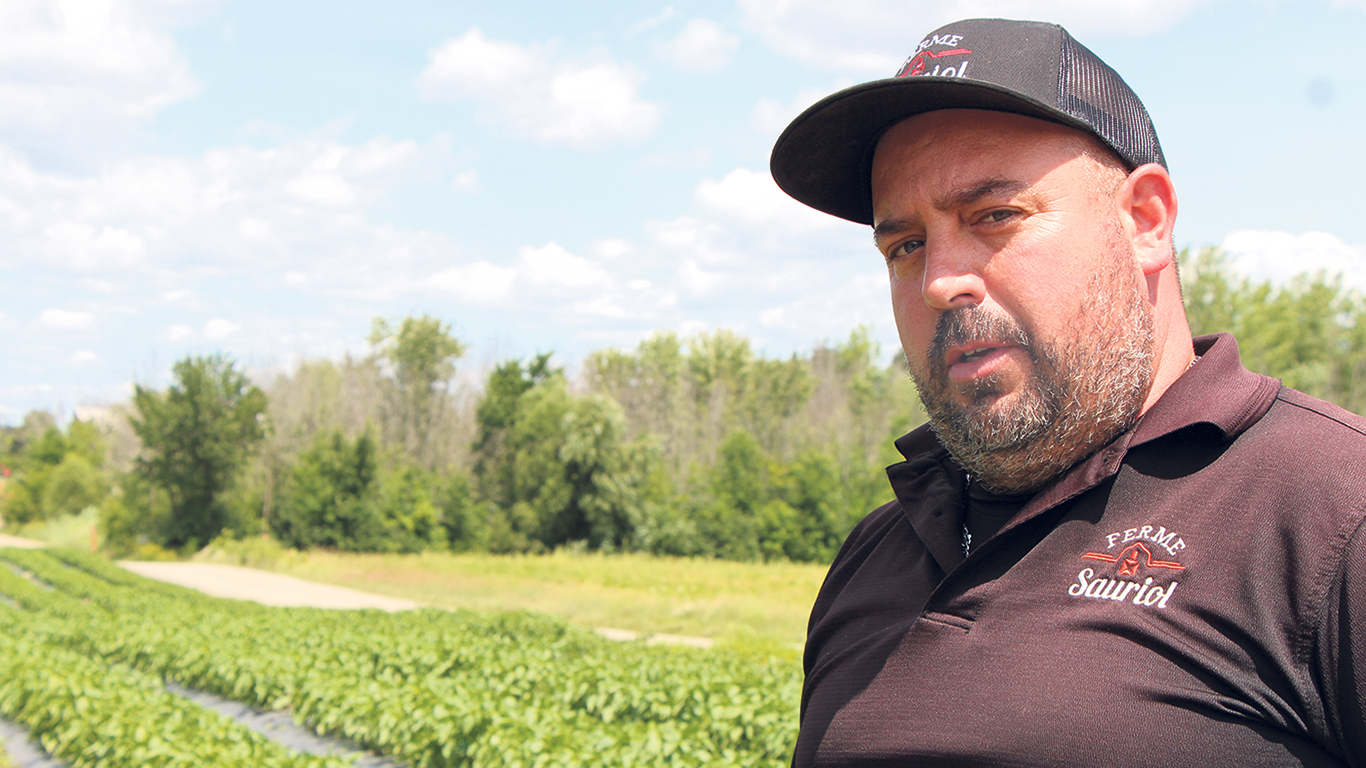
pixel 1082 392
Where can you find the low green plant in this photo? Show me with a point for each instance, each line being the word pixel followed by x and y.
pixel 435 689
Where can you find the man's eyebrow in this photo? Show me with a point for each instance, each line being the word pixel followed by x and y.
pixel 961 197
pixel 970 195
pixel 890 227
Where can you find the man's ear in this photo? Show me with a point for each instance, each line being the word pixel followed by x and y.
pixel 1146 203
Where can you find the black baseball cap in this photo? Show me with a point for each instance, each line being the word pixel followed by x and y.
pixel 824 158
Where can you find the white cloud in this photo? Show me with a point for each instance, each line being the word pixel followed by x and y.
pixel 582 104
pixel 651 22
pixel 773 317
pixel 860 298
pixel 86 248
pixel 65 320
pixel 76 76
pixel 296 208
pixel 693 327
pixel 751 259
pixel 466 181
pixel 873 37
pixel 698 281
pixel 1279 256
pixel 83 356
pixel 179 333
pixel 551 266
pixel 477 283
pixel 220 328
pixel 323 188
pixel 612 248
pixel 551 283
pixel 701 46
pixel 602 306
pixel 785 270
pixel 753 198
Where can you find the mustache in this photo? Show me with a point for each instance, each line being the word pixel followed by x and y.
pixel 965 324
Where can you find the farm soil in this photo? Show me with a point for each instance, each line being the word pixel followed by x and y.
pixel 269 588
pixel 264 587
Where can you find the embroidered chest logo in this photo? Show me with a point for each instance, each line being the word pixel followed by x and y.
pixel 1140 555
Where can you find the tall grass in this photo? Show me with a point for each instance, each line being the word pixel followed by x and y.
pixel 61 531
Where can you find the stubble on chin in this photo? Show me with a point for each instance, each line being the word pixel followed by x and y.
pixel 1079 394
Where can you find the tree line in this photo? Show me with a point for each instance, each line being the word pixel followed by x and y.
pixel 696 446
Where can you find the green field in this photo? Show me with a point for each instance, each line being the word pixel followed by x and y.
pixel 85 647
pixel 747 604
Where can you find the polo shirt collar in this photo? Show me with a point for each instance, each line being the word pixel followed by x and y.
pixel 1217 390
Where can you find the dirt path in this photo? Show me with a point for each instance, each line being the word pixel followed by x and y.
pixel 270 588
pixel 263 587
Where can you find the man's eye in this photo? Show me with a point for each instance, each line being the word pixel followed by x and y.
pixel 997 216
pixel 905 248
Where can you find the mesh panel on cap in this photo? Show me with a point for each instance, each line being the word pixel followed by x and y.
pixel 1090 90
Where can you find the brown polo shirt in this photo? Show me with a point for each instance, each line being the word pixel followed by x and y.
pixel 1193 594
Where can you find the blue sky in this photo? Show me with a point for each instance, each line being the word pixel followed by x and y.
pixel 264 179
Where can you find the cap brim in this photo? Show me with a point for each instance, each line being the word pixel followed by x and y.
pixel 824 157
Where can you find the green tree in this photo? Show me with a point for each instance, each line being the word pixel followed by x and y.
pixel 652 387
pixel 463 515
pixel 557 467
pixel 777 391
pixel 339 495
pixel 326 501
pixel 1309 332
pixel 409 519
pixel 605 486
pixel 72 486
pixel 52 472
pixel 136 513
pixel 420 355
pixel 194 436
pixel 496 413
pixel 821 512
pixel 569 468
pixel 738 489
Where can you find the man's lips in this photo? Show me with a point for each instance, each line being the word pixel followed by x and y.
pixel 975 359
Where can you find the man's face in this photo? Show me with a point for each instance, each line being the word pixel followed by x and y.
pixel 1022 312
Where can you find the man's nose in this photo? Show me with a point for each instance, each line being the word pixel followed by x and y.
pixel 952 277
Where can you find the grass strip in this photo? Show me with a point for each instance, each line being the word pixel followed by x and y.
pixel 746 605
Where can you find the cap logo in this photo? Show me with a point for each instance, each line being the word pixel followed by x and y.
pixel 920 61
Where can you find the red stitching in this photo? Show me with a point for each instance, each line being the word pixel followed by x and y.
pixel 1148 558
pixel 917 64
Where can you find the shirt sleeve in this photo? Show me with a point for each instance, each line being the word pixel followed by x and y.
pixel 1342 657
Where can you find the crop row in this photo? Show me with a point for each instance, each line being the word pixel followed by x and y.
pixel 92 713
pixel 433 688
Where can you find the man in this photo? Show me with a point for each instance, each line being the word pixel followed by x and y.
pixel 1112 545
